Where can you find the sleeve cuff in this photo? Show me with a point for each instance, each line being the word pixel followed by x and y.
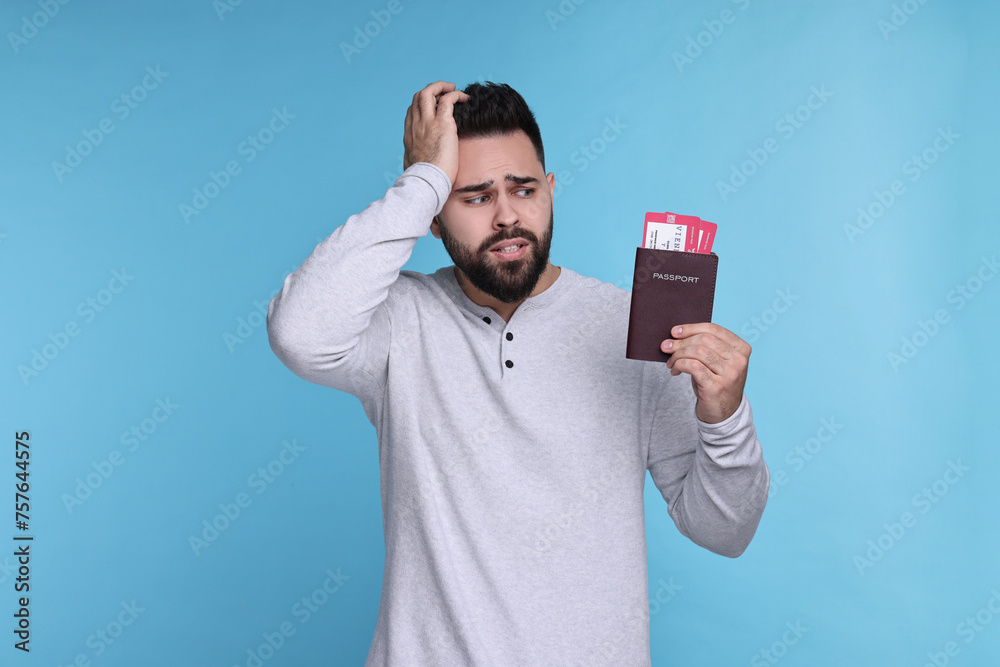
pixel 715 433
pixel 435 177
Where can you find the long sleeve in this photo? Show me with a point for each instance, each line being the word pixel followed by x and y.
pixel 328 323
pixel 713 476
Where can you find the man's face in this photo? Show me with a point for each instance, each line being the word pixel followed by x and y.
pixel 501 193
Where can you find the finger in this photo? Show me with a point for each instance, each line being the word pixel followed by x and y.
pixel 446 103
pixel 407 135
pixel 719 346
pixel 706 355
pixel 415 106
pixel 686 330
pixel 701 374
pixel 429 95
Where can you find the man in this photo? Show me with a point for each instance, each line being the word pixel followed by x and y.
pixel 513 434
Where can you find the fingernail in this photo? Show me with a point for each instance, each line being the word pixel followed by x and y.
pixel 678 331
pixel 668 345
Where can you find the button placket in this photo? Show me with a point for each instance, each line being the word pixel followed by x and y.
pixel 509 363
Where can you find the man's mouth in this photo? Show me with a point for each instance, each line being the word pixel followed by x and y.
pixel 510 250
pixel 509 244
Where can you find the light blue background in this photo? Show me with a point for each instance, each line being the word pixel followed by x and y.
pixel 684 128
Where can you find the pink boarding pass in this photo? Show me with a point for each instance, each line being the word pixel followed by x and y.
pixel 707 236
pixel 668 231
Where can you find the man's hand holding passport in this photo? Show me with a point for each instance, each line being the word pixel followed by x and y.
pixel 673 291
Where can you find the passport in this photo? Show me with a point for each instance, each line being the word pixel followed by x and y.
pixel 670 287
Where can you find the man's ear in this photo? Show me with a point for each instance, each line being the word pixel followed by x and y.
pixel 551 178
pixel 434 228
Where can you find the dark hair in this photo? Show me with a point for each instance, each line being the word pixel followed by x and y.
pixel 493 110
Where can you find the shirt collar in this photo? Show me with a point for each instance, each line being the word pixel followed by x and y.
pixel 445 276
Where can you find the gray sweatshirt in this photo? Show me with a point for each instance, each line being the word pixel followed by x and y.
pixel 513 455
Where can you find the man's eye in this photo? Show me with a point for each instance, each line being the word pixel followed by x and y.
pixel 476 200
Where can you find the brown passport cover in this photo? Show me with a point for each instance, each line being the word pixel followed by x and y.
pixel 660 304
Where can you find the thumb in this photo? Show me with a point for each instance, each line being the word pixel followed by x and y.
pixel 446 103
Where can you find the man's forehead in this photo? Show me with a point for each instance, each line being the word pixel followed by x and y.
pixel 510 157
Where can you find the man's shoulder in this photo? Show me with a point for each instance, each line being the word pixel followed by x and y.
pixel 413 280
pixel 600 292
pixel 411 284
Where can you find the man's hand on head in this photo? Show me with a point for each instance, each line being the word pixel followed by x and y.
pixel 430 133
pixel 717 360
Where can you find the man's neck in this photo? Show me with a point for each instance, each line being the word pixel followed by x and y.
pixel 506 310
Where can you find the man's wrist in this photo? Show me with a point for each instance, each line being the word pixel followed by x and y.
pixel 726 427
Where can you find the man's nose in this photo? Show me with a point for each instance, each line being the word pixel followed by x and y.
pixel 506 214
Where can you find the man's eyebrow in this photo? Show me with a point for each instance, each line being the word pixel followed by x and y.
pixel 486 185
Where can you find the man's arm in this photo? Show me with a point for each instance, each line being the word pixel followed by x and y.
pixel 327 323
pixel 713 476
pixel 704 455
pixel 324 315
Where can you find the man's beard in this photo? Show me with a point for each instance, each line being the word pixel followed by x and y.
pixel 507 281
